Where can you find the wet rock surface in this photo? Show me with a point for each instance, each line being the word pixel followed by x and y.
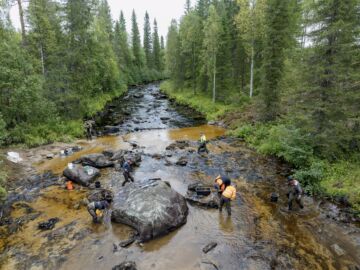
pixel 82 175
pixel 125 266
pixel 151 207
pixel 99 161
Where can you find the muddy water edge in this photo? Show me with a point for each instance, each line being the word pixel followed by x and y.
pixel 259 235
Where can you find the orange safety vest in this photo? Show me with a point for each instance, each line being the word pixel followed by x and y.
pixel 230 193
pixel 220 182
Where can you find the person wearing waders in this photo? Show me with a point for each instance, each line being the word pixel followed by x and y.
pixel 96 209
pixel 202 144
pixel 228 195
pixel 294 193
pixel 126 172
pixel 88 128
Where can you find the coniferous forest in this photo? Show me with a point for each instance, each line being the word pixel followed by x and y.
pixel 68 59
pixel 285 75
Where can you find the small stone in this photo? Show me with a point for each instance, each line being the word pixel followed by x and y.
pixel 338 250
pixel 50 156
pixel 125 266
pixel 209 247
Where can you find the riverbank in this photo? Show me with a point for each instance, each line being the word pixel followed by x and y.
pixel 337 181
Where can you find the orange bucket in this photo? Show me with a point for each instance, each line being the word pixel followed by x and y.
pixel 69 185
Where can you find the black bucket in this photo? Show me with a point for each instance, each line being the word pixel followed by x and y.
pixel 203 191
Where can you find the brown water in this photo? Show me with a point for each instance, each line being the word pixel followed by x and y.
pixel 259 235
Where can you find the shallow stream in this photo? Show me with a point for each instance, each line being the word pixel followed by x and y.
pixel 259 235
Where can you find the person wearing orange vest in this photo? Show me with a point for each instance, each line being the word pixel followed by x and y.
pixel 220 183
pixel 228 195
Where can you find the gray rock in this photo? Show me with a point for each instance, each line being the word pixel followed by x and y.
pixel 210 201
pixel 50 156
pixel 338 250
pixel 111 129
pixel 209 247
pixel 96 160
pixel 125 266
pixel 80 175
pixel 151 207
pixel 182 161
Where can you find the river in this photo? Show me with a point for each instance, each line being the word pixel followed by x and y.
pixel 259 235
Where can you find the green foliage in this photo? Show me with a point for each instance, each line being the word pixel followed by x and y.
pixel 148 42
pixel 3 131
pixel 289 144
pixel 2 189
pixel 136 44
pixel 199 102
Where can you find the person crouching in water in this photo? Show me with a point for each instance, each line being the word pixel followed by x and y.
pixel 294 193
pixel 96 209
pixel 202 144
pixel 127 172
pixel 228 195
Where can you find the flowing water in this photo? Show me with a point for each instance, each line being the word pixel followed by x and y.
pixel 259 235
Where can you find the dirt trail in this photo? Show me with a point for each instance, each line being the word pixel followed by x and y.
pixel 259 235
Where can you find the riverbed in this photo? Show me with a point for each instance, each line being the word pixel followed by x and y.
pixel 259 235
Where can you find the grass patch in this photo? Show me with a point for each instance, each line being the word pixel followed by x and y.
pixel 200 102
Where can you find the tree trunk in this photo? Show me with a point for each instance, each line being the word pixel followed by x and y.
pixel 22 22
pixel 252 71
pixel 214 79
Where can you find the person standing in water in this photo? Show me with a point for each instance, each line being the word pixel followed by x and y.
pixel 228 195
pixel 202 144
pixel 294 193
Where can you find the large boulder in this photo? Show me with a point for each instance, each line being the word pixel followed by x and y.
pixel 96 160
pixel 151 207
pixel 81 175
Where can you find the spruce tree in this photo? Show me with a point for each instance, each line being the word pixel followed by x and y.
pixel 173 59
pixel 156 48
pixel 251 24
pixel 148 42
pixel 213 30
pixel 122 50
pixel 136 45
pixel 191 44
pixel 333 71
pixel 277 40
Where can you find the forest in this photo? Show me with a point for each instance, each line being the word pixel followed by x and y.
pixel 68 61
pixel 284 75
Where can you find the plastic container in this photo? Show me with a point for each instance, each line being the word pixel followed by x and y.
pixel 203 191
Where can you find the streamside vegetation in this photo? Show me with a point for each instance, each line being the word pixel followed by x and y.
pixel 68 59
pixel 284 75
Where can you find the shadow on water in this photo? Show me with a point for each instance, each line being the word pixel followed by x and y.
pixel 259 235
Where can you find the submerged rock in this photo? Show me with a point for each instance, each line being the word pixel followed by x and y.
pixel 178 144
pixel 125 266
pixel 81 175
pixel 210 201
pixel 209 247
pixel 150 207
pixel 48 225
pixel 182 161
pixel 96 160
